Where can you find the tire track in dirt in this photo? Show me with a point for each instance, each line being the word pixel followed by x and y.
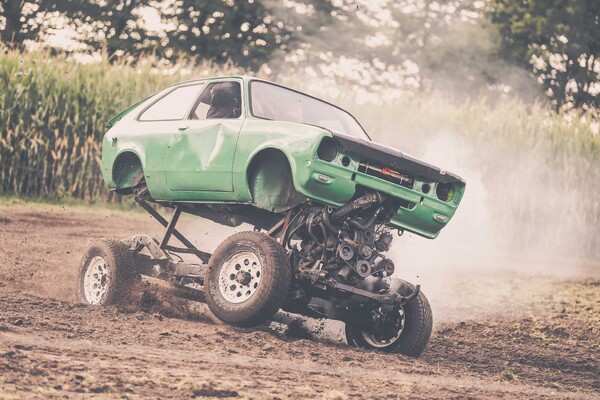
pixel 250 373
pixel 52 347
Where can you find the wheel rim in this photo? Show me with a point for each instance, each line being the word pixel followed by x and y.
pixel 96 280
pixel 240 277
pixel 394 321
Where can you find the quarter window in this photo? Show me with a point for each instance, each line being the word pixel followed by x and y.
pixel 173 106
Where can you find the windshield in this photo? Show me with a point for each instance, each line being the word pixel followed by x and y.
pixel 281 104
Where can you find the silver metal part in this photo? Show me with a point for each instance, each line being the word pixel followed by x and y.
pixel 96 280
pixel 240 277
pixel 383 298
pixel 188 270
pixel 363 268
pixel 365 251
pixel 174 268
pixel 373 340
pixel 138 242
pixel 345 251
pixel 345 272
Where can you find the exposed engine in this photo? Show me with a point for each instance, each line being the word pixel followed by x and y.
pixel 346 244
pixel 318 262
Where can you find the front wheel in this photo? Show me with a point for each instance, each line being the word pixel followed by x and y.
pixel 248 279
pixel 402 329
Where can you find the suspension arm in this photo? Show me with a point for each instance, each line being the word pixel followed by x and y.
pixel 389 298
pixel 171 230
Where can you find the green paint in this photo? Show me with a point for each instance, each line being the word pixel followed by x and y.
pixel 234 160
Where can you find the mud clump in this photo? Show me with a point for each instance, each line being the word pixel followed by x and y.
pixel 297 330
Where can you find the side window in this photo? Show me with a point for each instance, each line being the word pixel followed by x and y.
pixel 219 100
pixel 173 106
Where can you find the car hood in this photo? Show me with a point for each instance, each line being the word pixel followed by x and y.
pixel 394 158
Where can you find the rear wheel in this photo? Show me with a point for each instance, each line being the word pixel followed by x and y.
pixel 402 329
pixel 104 273
pixel 248 279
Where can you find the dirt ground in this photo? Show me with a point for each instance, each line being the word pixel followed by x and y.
pixel 537 336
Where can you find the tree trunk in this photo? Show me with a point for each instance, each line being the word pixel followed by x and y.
pixel 11 35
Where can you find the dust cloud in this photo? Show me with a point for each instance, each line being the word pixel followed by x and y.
pixel 521 223
pixel 486 259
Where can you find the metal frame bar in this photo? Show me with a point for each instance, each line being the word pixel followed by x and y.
pixel 163 259
pixel 391 298
pixel 170 227
pixel 171 230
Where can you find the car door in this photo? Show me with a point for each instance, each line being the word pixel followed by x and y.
pixel 154 127
pixel 200 154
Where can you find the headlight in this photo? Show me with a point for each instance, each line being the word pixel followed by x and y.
pixel 445 191
pixel 327 149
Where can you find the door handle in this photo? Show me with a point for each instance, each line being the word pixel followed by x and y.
pixel 184 127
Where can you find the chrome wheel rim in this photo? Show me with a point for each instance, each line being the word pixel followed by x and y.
pixel 376 341
pixel 240 277
pixel 96 280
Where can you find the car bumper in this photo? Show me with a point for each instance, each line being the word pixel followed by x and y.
pixel 334 185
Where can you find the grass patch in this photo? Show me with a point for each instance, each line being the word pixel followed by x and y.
pixel 128 205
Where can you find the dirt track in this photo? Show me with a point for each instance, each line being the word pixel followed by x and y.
pixel 546 347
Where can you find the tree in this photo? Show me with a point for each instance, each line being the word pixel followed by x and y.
pixel 13 15
pixel 111 24
pixel 559 41
pixel 246 32
pixel 413 45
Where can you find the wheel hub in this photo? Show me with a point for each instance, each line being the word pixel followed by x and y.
pixel 386 328
pixel 96 280
pixel 240 276
pixel 243 277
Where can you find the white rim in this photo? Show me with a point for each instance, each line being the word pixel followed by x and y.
pixel 377 342
pixel 96 280
pixel 240 277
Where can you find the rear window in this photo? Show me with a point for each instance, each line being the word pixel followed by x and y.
pixel 173 106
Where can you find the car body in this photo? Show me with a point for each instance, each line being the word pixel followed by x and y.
pixel 279 149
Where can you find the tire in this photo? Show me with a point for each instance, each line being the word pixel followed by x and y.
pixel 414 332
pixel 248 279
pixel 105 272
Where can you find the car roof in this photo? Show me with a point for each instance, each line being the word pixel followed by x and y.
pixel 208 78
pixel 245 78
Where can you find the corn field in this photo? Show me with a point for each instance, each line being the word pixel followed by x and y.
pixel 540 172
pixel 52 119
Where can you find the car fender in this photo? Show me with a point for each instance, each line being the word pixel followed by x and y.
pixel 269 179
pixel 296 150
pixel 113 152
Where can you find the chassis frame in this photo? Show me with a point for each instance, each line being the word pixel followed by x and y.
pixel 172 272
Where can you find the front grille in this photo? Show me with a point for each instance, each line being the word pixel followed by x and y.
pixel 386 173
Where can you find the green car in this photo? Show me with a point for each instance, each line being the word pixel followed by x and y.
pixel 323 197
